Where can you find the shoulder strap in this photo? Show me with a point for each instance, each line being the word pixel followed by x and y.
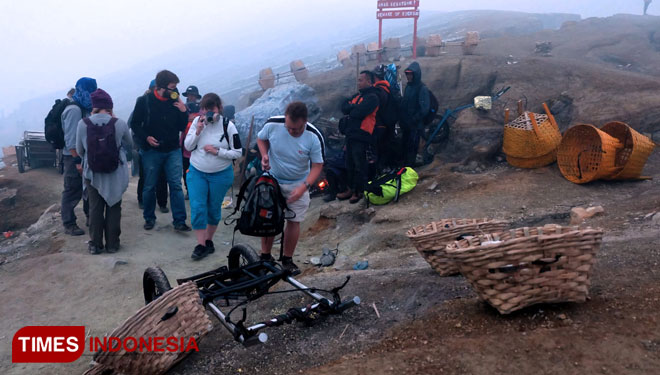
pixel 147 112
pixel 225 124
pixel 87 121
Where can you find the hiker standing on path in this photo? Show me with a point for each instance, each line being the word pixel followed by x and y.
pixel 106 178
pixel 161 186
pixel 73 184
pixel 415 105
pixel 162 115
pixel 288 145
pixel 386 119
pixel 358 125
pixel 211 173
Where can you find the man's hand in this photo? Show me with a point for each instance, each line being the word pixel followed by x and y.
pixel 211 150
pixel 152 141
pixel 180 105
pixel 79 168
pixel 296 194
pixel 265 163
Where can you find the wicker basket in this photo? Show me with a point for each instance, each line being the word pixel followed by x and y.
pixel 636 150
pixel 432 239
pixel 539 162
pixel 521 267
pixel 531 135
pixel 587 154
pixel 189 321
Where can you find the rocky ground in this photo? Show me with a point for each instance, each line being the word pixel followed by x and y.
pixel 411 320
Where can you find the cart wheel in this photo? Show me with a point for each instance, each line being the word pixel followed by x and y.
pixel 241 255
pixel 154 283
pixel 20 158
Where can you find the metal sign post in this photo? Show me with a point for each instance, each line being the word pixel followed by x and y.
pixel 397 13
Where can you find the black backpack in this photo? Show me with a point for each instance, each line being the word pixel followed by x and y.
pixel 264 208
pixel 53 123
pixel 102 150
pixel 390 114
pixel 433 109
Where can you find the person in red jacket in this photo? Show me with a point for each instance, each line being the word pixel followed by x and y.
pixel 358 125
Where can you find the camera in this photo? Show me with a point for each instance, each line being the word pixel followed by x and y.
pixel 174 94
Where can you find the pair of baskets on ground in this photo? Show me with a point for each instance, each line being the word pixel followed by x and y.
pixel 531 140
pixel 614 152
pixel 512 269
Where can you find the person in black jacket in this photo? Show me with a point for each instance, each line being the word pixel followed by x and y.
pixel 415 105
pixel 157 119
pixel 358 125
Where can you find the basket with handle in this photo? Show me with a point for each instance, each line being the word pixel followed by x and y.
pixel 177 313
pixel 635 151
pixel 431 239
pixel 587 154
pixel 531 163
pixel 525 266
pixel 531 136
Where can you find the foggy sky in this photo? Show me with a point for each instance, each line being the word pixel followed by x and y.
pixel 47 45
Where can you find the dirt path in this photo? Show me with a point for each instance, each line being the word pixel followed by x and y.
pixel 427 324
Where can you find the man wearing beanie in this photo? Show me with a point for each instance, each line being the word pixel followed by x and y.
pixel 107 139
pixel 73 186
pixel 157 119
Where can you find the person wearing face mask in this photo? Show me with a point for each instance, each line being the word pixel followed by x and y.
pixel 157 120
pixel 214 144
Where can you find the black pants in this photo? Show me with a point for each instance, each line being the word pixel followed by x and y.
pixel 186 165
pixel 72 193
pixel 385 148
pixel 103 220
pixel 410 144
pixel 356 165
pixel 161 187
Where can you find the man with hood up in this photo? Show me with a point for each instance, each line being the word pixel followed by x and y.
pixel 415 105
pixel 73 185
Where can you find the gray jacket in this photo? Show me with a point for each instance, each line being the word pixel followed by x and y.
pixel 70 118
pixel 111 186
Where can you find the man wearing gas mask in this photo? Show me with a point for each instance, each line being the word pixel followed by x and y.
pixel 157 120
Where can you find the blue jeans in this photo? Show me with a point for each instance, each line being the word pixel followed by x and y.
pixel 206 192
pixel 170 162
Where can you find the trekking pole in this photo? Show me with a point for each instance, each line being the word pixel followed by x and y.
pixel 247 152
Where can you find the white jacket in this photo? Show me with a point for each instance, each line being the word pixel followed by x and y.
pixel 211 135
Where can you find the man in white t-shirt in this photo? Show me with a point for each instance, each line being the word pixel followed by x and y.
pixel 288 146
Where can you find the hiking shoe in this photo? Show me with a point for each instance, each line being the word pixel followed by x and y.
pixel 149 224
pixel 182 227
pixel 345 195
pixel 111 249
pixel 266 257
pixel 210 246
pixel 164 209
pixel 329 197
pixel 74 230
pixel 287 264
pixel 200 252
pixel 355 199
pixel 93 249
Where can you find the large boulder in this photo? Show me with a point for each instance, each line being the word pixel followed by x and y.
pixel 273 102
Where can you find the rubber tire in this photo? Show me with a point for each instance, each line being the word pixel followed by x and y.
pixel 241 255
pixel 20 159
pixel 154 284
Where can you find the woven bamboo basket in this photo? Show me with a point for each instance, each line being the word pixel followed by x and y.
pixel 525 266
pixel 531 135
pixel 190 320
pixel 587 154
pixel 539 162
pixel 432 239
pixel 636 150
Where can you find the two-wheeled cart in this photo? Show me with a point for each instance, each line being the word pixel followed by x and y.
pixel 244 279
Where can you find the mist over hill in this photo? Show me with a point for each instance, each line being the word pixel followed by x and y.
pixel 229 66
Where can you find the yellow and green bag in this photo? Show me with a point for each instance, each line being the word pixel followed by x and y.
pixel 388 187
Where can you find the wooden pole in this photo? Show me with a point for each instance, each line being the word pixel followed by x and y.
pixel 357 71
pixel 247 152
pixel 520 108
